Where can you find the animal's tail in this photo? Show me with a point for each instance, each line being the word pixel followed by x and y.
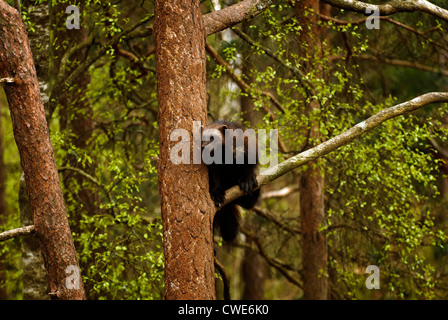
pixel 227 220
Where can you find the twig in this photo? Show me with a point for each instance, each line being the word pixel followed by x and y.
pixel 17 6
pixel 82 67
pixel 6 80
pixel 439 149
pixel 87 176
pixel 404 63
pixel 274 262
pixel 246 88
pixel 273 218
pixel 241 83
pixel 225 278
pixel 297 72
pixel 24 231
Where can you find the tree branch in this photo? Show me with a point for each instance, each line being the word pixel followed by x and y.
pixel 404 63
pixel 82 67
pixel 340 140
pixel 6 80
pixel 24 231
pixel 222 19
pixel 225 278
pixel 391 7
pixel 241 83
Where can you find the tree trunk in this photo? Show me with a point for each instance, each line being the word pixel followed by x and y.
pixel 187 210
pixel 312 209
pixel 3 210
pixel 34 280
pixel 254 269
pixel 37 158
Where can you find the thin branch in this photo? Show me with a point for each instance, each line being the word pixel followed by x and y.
pixel 404 63
pixel 272 261
pixel 297 73
pixel 6 80
pixel 391 7
pixel 392 21
pixel 340 140
pixel 278 193
pixel 439 148
pixel 82 67
pixel 225 278
pixel 244 86
pixel 19 232
pixel 240 82
pixel 222 19
pixel 274 219
pixel 17 6
pixel 88 177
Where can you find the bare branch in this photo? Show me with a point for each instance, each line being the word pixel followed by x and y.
pixel 82 67
pixel 439 148
pixel 222 19
pixel 16 233
pixel 225 278
pixel 279 193
pixel 241 83
pixel 404 63
pixel 391 7
pixel 340 140
pixel 6 80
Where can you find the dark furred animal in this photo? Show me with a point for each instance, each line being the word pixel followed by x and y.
pixel 224 175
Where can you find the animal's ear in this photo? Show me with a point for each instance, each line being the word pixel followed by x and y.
pixel 223 128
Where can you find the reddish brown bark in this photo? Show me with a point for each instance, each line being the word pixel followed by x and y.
pixel 36 155
pixel 3 213
pixel 312 208
pixel 187 210
pixel 222 19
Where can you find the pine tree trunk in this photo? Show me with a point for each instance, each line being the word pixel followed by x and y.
pixel 37 158
pixel 3 210
pixel 187 210
pixel 312 209
pixel 34 280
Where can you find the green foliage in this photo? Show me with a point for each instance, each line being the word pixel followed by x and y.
pixel 119 242
pixel 382 196
pixel 382 190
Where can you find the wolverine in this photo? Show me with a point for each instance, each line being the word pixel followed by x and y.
pixel 233 162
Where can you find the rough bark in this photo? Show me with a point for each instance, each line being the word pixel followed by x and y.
pixel 311 185
pixel 187 210
pixel 34 280
pixel 35 284
pixel 222 19
pixel 36 155
pixel 40 42
pixel 3 212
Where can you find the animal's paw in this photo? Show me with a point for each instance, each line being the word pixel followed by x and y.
pixel 248 184
pixel 218 196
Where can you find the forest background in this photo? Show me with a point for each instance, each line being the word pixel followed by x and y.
pixel 308 68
